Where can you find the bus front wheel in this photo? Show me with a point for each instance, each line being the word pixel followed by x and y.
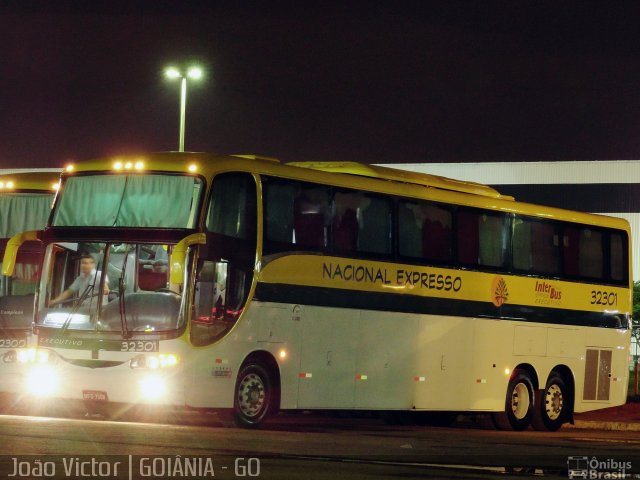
pixel 254 399
pixel 553 407
pixel 518 403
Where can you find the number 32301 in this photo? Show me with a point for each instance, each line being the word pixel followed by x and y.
pixel 139 346
pixel 603 298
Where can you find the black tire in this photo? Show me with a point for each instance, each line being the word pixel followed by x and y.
pixel 254 396
pixel 519 401
pixel 553 406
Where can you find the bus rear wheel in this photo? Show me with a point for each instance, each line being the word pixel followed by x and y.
pixel 518 403
pixel 553 407
pixel 253 399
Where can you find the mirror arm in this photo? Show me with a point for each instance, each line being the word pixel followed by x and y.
pixel 11 251
pixel 179 254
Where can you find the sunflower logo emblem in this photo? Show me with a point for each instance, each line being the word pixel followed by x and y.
pixel 499 291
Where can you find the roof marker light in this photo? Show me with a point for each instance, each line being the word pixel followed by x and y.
pixel 10 184
pixel 117 165
pixel 193 167
pixel 128 166
pixel 55 186
pixel 139 165
pixel 69 168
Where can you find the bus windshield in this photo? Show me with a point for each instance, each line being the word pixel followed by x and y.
pixel 128 200
pixel 109 287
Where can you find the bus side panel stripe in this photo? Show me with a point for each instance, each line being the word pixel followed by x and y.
pixel 390 302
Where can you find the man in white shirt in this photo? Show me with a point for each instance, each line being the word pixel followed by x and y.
pixel 89 279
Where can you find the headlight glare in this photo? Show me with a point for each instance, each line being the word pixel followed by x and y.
pixel 153 387
pixel 42 380
pixel 32 355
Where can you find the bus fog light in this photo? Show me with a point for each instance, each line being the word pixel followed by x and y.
pixel 153 387
pixel 42 381
pixel 154 361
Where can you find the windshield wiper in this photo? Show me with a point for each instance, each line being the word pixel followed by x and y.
pixel 83 297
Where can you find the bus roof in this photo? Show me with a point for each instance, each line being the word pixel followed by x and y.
pixel 29 181
pixel 345 174
pixel 386 173
pixel 198 162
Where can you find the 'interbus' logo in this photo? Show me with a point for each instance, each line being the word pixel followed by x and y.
pixel 499 292
pixel 547 293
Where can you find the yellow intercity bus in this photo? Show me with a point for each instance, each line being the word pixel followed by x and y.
pixel 241 283
pixel 25 203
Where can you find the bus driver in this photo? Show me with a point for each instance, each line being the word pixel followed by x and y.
pixel 87 280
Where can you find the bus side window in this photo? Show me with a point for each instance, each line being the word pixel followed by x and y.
pixel 425 231
pixel 409 230
pixel 617 257
pixel 345 221
pixel 482 238
pixel 278 212
pixel 375 226
pixel 468 237
pixel 311 213
pixel 296 216
pixel 583 252
pixel 436 233
pixel 536 247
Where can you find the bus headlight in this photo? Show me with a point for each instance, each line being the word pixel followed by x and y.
pixel 32 355
pixel 42 380
pixel 154 362
pixel 153 387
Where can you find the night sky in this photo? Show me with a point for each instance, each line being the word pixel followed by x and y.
pixel 376 82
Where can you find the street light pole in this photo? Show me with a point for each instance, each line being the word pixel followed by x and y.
pixel 183 109
pixel 173 73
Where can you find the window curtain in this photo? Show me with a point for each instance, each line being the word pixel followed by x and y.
pixel 160 201
pixel 90 201
pixel 23 211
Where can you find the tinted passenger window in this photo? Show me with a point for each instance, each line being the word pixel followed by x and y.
pixel 583 252
pixel 482 238
pixel 425 231
pixel 535 246
pixel 296 215
pixel 618 264
pixel 361 223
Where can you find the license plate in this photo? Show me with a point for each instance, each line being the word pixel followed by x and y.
pixel 94 396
